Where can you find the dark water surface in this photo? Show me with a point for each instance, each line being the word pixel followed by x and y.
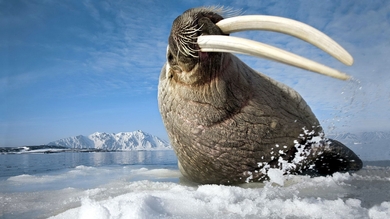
pixel 35 163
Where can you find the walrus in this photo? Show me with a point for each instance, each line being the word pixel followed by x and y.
pixel 229 124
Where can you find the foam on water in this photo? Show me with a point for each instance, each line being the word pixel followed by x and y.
pixel 159 192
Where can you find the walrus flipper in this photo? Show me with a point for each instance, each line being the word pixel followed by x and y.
pixel 336 158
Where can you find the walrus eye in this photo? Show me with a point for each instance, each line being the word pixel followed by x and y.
pixel 208 27
pixel 170 57
pixel 217 43
pixel 214 17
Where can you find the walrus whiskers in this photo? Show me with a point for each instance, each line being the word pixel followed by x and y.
pixel 187 37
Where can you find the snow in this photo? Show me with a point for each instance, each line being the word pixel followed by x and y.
pixel 276 176
pixel 159 191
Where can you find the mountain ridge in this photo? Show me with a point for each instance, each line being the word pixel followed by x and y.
pixel 125 141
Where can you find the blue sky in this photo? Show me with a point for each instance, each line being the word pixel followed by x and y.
pixel 81 66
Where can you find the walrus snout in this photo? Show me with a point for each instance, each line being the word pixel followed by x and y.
pixel 184 55
pixel 187 27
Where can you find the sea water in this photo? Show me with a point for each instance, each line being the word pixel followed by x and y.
pixel 148 184
pixel 35 163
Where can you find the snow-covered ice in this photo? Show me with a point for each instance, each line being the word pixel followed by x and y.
pixel 159 191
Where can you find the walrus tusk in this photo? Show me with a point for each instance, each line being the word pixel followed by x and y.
pixel 219 43
pixel 287 26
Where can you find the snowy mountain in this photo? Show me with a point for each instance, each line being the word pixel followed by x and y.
pixel 137 140
pixel 79 141
pixel 367 145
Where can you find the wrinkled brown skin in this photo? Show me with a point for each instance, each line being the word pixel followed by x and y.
pixel 223 118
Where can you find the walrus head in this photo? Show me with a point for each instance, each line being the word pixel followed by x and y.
pixel 228 123
pixel 200 33
pixel 183 53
